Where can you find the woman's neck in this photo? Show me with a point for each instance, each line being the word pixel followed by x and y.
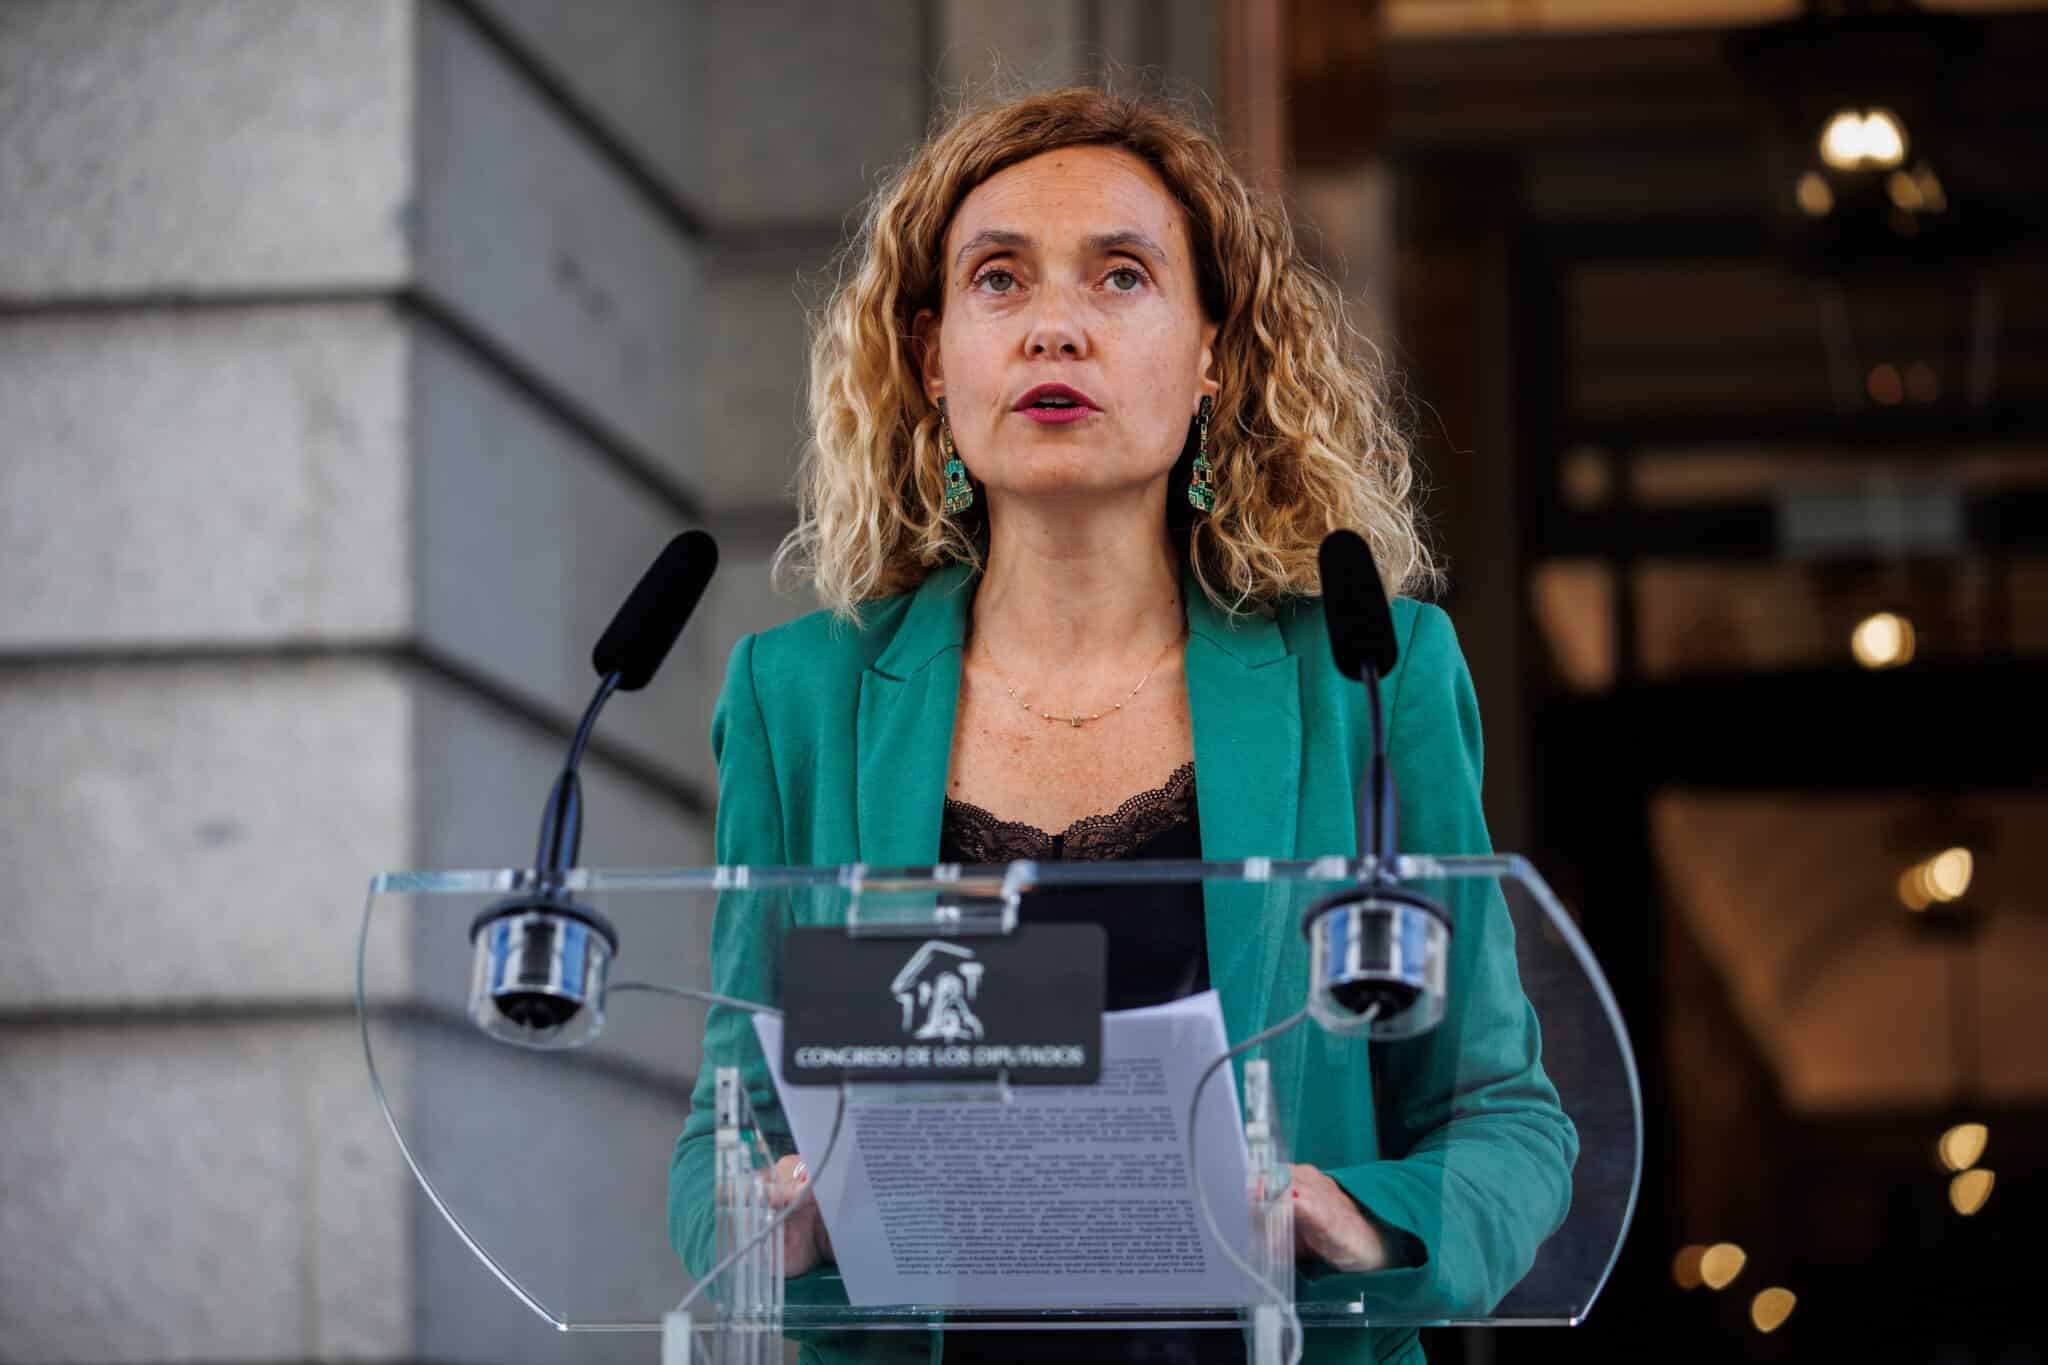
pixel 1080 591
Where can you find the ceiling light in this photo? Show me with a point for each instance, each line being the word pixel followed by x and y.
pixel 1721 1263
pixel 1962 1145
pixel 1948 874
pixel 1769 1309
pixel 1816 200
pixel 1882 640
pixel 1863 140
pixel 1969 1189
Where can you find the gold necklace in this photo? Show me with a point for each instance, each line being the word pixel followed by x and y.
pixel 1077 720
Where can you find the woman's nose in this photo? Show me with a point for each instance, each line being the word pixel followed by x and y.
pixel 1054 330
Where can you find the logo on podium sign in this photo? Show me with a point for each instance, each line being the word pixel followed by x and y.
pixel 862 1009
pixel 938 986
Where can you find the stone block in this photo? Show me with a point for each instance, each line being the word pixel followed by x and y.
pixel 538 242
pixel 747 390
pixel 196 830
pixel 1039 45
pixel 830 96
pixel 710 93
pixel 187 1189
pixel 204 830
pixel 315 475
pixel 529 541
pixel 203 477
pixel 205 146
pixel 620 61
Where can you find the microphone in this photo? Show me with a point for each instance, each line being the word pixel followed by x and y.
pixel 1355 609
pixel 539 958
pixel 646 626
pixel 1362 643
pixel 1378 951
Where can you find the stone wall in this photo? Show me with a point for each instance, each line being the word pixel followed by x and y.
pixel 355 358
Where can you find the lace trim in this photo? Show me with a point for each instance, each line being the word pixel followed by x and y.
pixel 982 837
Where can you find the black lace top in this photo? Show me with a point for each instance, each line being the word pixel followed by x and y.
pixel 1158 950
pixel 980 837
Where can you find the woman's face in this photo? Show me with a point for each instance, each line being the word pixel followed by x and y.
pixel 1071 269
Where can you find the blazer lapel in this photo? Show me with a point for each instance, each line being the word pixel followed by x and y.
pixel 1245 698
pixel 904 729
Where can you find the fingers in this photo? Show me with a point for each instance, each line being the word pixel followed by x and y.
pixel 804 1240
pixel 1328 1224
pixel 791 1177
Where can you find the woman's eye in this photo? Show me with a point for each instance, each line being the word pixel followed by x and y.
pixel 991 277
pixel 1126 279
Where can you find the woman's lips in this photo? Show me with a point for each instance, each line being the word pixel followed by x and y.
pixel 1057 416
pixel 1055 404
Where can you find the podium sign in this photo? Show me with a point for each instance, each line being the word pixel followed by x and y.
pixel 1025 1007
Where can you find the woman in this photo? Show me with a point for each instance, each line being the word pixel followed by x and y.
pixel 1081 416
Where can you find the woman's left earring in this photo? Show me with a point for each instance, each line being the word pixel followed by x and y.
pixel 959 492
pixel 1202 487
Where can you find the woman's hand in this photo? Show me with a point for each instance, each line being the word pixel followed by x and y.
pixel 1327 1224
pixel 805 1243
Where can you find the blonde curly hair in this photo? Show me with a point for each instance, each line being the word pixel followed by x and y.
pixel 1302 440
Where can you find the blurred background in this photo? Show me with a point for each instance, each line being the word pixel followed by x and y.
pixel 356 356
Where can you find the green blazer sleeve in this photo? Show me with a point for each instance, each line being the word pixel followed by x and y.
pixel 1478 1152
pixel 748 830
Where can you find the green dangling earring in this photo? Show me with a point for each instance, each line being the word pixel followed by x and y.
pixel 959 492
pixel 1202 487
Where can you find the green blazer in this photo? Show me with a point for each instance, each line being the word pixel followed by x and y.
pixel 833 745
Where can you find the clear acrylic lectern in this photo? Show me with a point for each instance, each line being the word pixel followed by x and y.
pixel 585 1099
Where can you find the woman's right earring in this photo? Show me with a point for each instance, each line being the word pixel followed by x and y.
pixel 959 492
pixel 1202 487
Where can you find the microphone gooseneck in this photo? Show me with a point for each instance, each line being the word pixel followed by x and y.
pixel 1377 950
pixel 626 657
pixel 542 958
pixel 561 821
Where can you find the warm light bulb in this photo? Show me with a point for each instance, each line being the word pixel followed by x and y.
pixel 1854 141
pixel 1721 1263
pixel 1883 640
pixel 1841 143
pixel 1948 874
pixel 1816 200
pixel 1884 140
pixel 1905 192
pixel 1685 1266
pixel 1932 196
pixel 1969 1189
pixel 1913 892
pixel 1769 1309
pixel 1962 1145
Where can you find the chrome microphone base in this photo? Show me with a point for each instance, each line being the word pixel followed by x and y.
pixel 538 971
pixel 1379 956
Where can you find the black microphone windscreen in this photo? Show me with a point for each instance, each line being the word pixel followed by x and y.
pixel 646 627
pixel 1355 607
